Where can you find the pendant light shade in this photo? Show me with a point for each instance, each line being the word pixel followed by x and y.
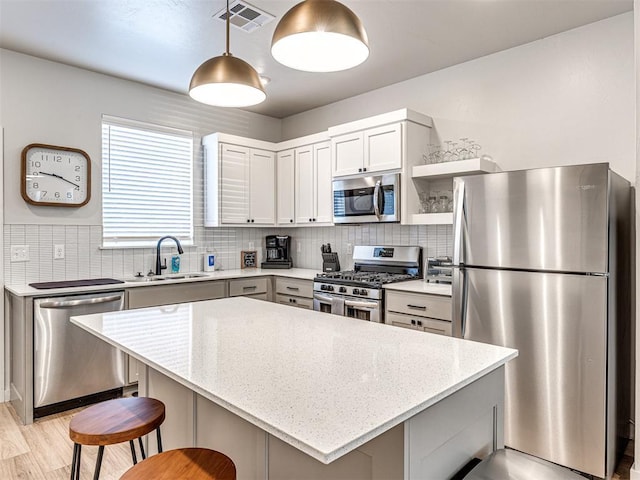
pixel 320 36
pixel 226 81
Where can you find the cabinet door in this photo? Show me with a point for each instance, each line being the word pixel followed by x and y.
pixel 262 194
pixel 304 185
pixel 323 193
pixel 234 184
pixel 285 188
pixel 348 154
pixel 383 148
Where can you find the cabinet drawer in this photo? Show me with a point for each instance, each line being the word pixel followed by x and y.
pixel 433 306
pixel 259 296
pixel 298 288
pixel 176 293
pixel 430 325
pixel 249 286
pixel 295 301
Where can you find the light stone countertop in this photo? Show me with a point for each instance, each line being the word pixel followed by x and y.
pixel 23 290
pixel 299 273
pixel 322 383
pixel 420 286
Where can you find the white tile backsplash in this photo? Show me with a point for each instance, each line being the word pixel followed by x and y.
pixel 85 259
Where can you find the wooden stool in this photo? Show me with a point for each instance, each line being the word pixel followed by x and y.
pixel 114 421
pixel 184 463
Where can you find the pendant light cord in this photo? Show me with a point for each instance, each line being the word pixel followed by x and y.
pixel 227 52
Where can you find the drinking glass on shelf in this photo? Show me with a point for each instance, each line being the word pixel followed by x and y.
pixel 443 202
pixel 434 205
pixel 424 202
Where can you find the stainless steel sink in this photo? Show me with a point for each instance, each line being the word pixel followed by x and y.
pixel 159 278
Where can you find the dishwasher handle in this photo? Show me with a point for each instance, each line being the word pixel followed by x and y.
pixel 84 301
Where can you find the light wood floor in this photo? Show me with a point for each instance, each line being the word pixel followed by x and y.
pixel 43 451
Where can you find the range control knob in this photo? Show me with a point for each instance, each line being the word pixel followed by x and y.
pixel 343 289
pixel 356 291
pixel 323 287
pixel 363 292
pixel 330 288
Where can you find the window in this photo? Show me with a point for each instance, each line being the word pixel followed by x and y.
pixel 147 183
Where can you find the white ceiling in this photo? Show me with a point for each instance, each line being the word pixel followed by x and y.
pixel 162 42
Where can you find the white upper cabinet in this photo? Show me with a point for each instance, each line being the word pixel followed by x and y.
pixel 383 148
pixel 239 181
pixel 285 187
pixel 262 172
pixel 374 144
pixel 348 154
pixel 313 194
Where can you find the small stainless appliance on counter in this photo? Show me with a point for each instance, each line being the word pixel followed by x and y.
pixel 358 293
pixel 71 367
pixel 438 270
pixel 367 199
pixel 278 252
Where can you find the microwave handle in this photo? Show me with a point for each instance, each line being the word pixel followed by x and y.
pixel 376 199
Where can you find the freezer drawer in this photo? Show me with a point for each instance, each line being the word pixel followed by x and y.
pixel 555 405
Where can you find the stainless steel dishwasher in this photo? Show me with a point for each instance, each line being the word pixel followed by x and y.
pixel 71 367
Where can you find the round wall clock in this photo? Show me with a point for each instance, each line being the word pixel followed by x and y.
pixel 55 176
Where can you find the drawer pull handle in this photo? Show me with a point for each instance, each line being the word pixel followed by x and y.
pixel 293 288
pixel 250 287
pixel 416 307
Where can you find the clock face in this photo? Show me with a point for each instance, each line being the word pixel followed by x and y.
pixel 55 176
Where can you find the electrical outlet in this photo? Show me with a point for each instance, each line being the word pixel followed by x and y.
pixel 19 253
pixel 251 245
pixel 349 248
pixel 58 252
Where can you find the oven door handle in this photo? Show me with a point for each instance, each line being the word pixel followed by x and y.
pixel 361 304
pixel 322 298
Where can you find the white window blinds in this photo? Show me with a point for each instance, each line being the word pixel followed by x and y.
pixel 147 186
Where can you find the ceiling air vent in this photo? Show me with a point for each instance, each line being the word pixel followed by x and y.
pixel 244 16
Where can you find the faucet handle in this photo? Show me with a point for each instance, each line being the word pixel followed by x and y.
pixel 150 273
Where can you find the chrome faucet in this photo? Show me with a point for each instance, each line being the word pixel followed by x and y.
pixel 159 266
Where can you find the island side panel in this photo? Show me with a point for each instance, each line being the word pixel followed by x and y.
pixel 219 429
pixel 178 427
pixel 469 423
pixel 378 459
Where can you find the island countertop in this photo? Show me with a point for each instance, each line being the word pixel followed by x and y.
pixel 324 384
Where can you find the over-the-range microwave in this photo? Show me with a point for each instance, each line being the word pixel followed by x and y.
pixel 370 199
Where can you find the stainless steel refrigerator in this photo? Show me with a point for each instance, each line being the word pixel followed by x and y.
pixel 543 264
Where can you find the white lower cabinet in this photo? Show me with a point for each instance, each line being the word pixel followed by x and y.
pixel 417 311
pixel 294 292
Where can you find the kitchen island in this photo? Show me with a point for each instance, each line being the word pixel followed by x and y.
pixel 288 393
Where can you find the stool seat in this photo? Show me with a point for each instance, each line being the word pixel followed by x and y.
pixel 184 463
pixel 116 421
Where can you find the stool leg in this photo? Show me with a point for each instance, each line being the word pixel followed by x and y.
pixel 75 463
pixel 141 448
pixel 159 440
pixel 133 452
pixel 96 474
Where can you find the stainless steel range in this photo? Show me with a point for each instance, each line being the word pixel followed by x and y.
pixel 358 293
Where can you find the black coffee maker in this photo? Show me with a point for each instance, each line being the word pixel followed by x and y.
pixel 278 252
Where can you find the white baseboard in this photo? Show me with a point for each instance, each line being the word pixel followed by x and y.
pixel 7 395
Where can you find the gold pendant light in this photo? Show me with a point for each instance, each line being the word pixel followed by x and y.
pixel 320 36
pixel 226 81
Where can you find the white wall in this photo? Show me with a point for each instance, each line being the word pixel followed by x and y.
pixel 47 102
pixel 565 99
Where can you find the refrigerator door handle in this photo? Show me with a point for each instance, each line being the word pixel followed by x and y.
pixel 459 301
pixel 459 220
